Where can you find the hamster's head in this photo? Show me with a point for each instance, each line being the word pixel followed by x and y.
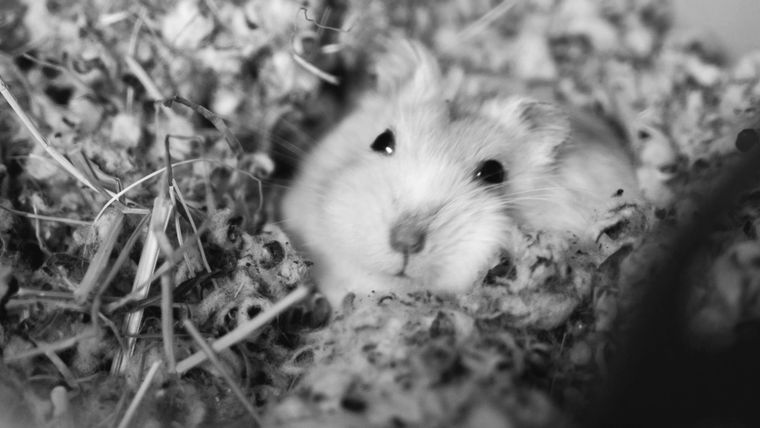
pixel 413 192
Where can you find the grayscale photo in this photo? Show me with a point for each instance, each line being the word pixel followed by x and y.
pixel 379 213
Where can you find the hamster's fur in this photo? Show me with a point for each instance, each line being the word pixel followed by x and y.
pixel 428 215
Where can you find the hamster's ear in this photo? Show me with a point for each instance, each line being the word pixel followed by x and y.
pixel 542 126
pixel 409 70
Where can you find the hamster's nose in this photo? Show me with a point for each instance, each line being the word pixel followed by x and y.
pixel 407 237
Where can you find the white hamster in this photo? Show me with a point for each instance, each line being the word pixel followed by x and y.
pixel 415 191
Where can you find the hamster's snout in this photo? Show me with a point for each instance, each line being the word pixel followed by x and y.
pixel 408 236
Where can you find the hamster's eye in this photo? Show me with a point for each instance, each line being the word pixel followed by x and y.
pixel 490 172
pixel 385 143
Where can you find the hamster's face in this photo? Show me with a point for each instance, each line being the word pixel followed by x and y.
pixel 419 199
pixel 410 192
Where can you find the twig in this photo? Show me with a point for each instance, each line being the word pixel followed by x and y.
pixel 130 413
pixel 31 293
pixel 193 226
pixel 244 330
pixel 486 20
pixel 169 172
pixel 62 368
pixel 211 355
pixel 167 279
pixel 107 321
pixel 47 218
pixel 99 262
pixel 43 348
pixel 322 26
pixel 167 320
pixel 143 77
pixel 23 304
pixel 311 68
pixel 97 177
pixel 153 174
pixel 215 119
pixel 178 227
pixel 180 291
pixel 137 292
pixel 37 234
pixel 160 217
pixel 112 18
pixel 37 135
pixel 123 255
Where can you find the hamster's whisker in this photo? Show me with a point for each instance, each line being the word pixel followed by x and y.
pixel 526 196
pixel 274 183
pixel 294 126
pixel 553 180
pixel 545 190
pixel 291 153
pixel 289 146
pixel 535 189
pixel 542 188
pixel 546 180
pixel 282 221
pixel 515 201
pixel 547 176
pixel 260 131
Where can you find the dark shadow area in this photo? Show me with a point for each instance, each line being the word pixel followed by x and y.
pixel 660 379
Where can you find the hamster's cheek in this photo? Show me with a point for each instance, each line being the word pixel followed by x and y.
pixel 462 270
pixel 465 244
pixel 356 222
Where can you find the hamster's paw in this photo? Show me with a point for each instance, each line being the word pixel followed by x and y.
pixel 334 289
pixel 336 281
pixel 311 314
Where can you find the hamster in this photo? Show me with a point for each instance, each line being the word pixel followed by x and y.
pixel 413 190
